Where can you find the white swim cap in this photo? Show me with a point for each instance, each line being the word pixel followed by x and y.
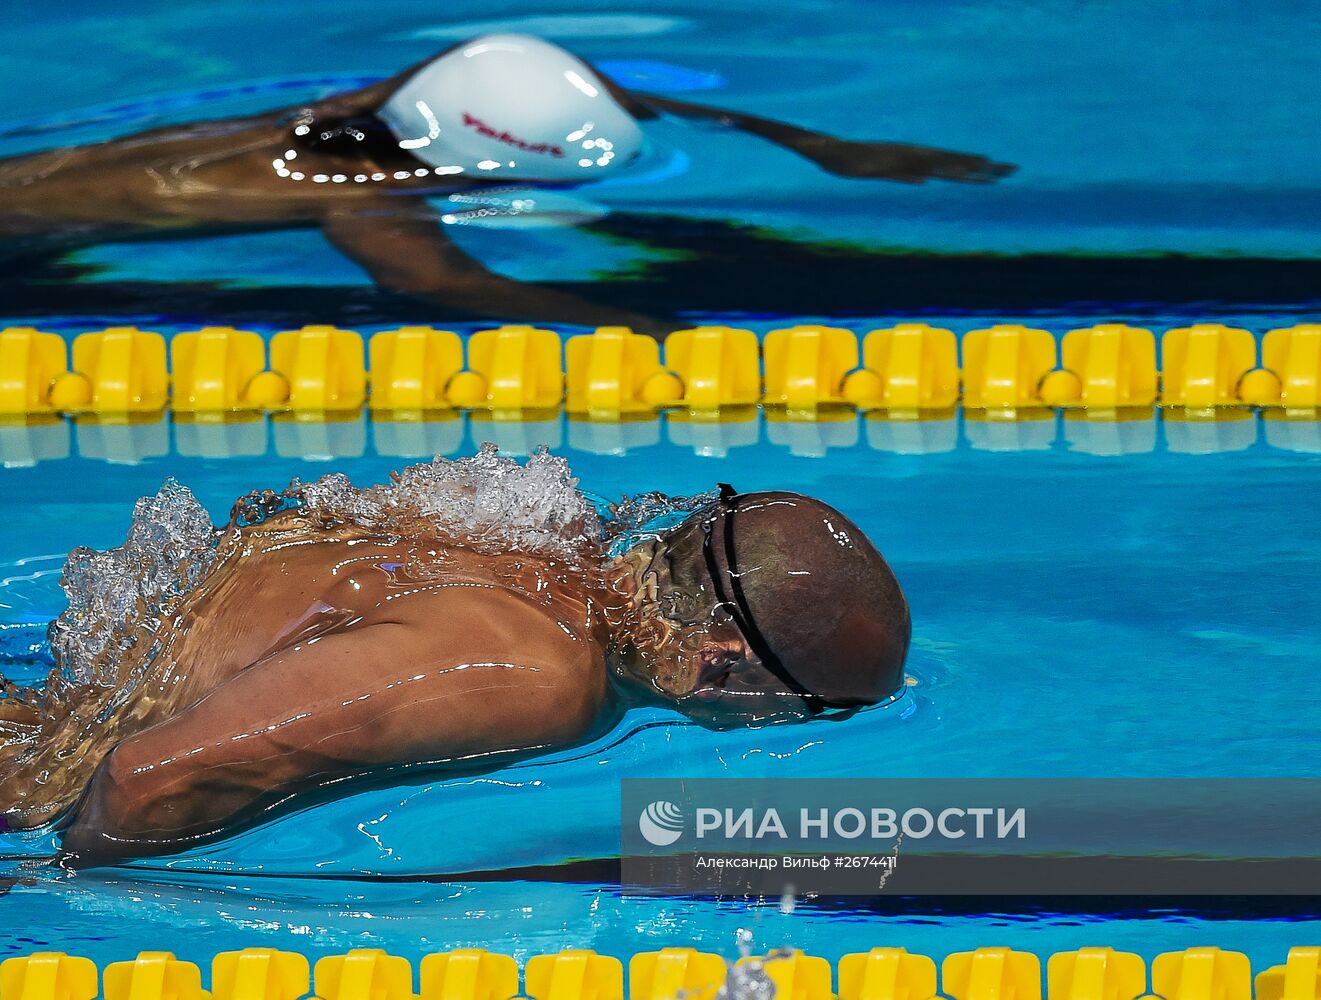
pixel 515 106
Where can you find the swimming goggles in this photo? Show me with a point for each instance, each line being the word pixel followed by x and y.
pixel 736 603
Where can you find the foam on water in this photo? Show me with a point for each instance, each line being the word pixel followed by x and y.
pixel 487 503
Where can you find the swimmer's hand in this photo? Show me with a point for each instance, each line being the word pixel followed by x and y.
pixel 899 161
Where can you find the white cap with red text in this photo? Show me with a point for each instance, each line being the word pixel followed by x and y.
pixel 512 106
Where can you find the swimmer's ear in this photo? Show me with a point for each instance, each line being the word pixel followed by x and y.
pixel 720 658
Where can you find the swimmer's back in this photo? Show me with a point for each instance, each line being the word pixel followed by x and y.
pixel 462 677
pixel 292 582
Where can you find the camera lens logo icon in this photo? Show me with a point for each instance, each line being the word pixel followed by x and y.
pixel 661 823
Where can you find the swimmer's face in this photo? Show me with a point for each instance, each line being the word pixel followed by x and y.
pixel 685 646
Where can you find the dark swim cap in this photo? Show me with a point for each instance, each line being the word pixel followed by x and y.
pixel 817 603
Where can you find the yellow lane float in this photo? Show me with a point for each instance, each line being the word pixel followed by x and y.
pixel 363 974
pixel 615 374
pixel 806 366
pixel 260 974
pixel 1292 355
pixel 615 371
pixel 719 366
pixel 992 974
pixel 411 367
pixel 468 974
pixel 679 973
pixel 125 369
pixel 30 362
pixel 906 368
pixel 796 976
pixel 1202 974
pixel 574 974
pixel 510 369
pixel 1201 365
pixel 153 975
pixel 324 368
pixel 48 975
pixel 213 367
pixel 675 972
pixel 1115 366
pixel 1298 979
pixel 1003 366
pixel 886 974
pixel 1095 974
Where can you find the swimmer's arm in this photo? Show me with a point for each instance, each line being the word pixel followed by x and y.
pixel 403 248
pixel 353 702
pixel 895 161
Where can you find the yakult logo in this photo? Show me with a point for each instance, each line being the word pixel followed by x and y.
pixel 481 128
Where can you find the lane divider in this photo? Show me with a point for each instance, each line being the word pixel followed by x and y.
pixel 908 369
pixel 998 973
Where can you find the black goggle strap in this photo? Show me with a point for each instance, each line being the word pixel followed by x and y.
pixel 738 606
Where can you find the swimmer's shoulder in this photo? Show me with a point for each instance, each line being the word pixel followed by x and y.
pixel 488 623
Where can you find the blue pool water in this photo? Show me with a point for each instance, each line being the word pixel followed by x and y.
pixel 1086 602
pixel 1151 614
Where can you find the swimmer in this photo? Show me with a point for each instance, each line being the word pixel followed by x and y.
pixel 326 644
pixel 496 111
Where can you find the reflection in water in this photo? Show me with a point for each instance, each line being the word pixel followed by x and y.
pixel 1025 430
pixel 614 437
pixel 38 439
pixel 735 427
pixel 1115 433
pixel 123 440
pixel 236 436
pixel 432 434
pixel 813 438
pixel 518 433
pixel 320 437
pixel 1300 433
pixel 1205 434
pixel 929 434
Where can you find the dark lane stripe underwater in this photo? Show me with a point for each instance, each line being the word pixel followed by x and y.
pixel 714 268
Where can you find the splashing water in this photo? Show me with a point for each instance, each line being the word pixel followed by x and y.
pixel 114 594
pixel 748 979
pixel 751 981
pixel 487 503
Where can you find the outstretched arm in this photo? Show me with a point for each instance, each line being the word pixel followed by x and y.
pixel 895 161
pixel 402 245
